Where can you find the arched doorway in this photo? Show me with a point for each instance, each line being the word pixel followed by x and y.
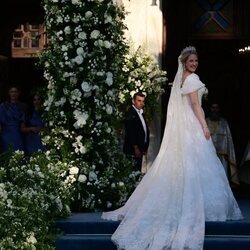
pixel 221 67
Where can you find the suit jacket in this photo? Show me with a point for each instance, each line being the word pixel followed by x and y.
pixel 134 132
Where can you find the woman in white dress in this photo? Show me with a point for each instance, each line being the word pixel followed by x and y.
pixel 186 184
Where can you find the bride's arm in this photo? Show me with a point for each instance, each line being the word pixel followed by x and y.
pixel 199 113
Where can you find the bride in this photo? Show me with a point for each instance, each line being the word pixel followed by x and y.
pixel 186 184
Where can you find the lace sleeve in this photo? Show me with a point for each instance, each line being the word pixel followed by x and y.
pixel 191 84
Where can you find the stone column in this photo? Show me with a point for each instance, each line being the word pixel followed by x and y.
pixel 145 28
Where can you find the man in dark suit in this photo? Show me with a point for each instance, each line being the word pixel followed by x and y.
pixel 136 131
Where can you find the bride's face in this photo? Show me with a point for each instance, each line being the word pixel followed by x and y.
pixel 191 63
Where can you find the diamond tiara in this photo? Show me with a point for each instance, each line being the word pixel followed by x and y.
pixel 189 49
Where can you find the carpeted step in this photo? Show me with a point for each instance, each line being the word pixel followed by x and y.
pixel 91 223
pixel 226 242
pixel 85 242
pixel 87 231
pixel 87 223
pixel 103 242
pixel 241 227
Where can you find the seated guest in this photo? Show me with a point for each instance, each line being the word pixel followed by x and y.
pixel 32 127
pixel 12 114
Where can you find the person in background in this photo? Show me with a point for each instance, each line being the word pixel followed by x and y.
pixel 222 140
pixel 32 127
pixel 136 131
pixel 12 113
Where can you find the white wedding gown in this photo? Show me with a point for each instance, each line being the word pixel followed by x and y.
pixel 185 186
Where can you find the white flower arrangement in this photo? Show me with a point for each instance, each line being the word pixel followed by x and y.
pixel 83 63
pixel 141 73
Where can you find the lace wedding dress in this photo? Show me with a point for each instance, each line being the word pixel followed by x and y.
pixel 185 186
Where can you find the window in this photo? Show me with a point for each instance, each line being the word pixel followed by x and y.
pixel 28 39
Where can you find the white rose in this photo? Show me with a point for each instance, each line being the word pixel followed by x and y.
pixel 40 174
pixel 82 35
pixel 94 34
pixel 79 59
pixel 81 118
pixel 82 178
pixel 31 239
pixel 59 19
pixel 99 42
pixel 73 80
pixel 86 87
pixel 80 51
pixel 109 204
pixel 67 30
pixel 109 109
pixel 132 93
pixel 30 172
pixel 75 2
pixel 107 44
pixel 83 150
pixel 62 114
pixel 9 202
pixel 109 79
pixel 110 93
pixel 121 184
pixel 92 176
pixel 79 137
pixel 108 19
pixel 99 73
pixel 88 14
pixel 64 48
pixel 74 170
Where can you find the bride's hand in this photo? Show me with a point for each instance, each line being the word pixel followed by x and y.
pixel 206 132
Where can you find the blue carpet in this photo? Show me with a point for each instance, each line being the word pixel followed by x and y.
pixel 87 231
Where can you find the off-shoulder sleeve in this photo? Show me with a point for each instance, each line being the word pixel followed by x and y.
pixel 191 84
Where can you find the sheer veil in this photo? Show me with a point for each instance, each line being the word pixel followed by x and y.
pixel 174 113
pixel 171 140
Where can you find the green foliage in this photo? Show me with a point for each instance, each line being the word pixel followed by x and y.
pixel 32 195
